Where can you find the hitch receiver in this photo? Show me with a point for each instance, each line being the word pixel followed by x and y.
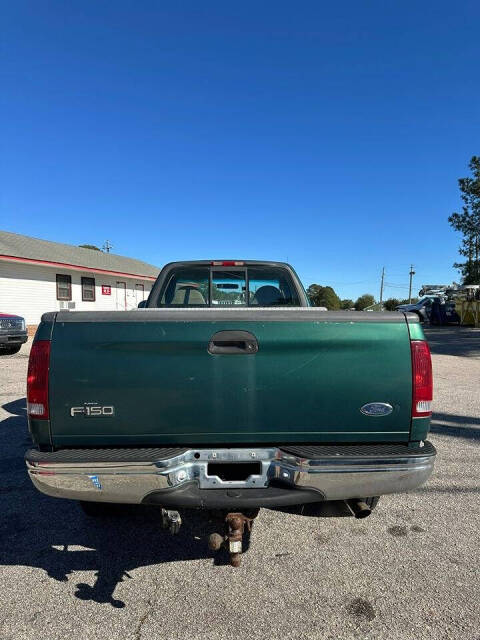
pixel 235 524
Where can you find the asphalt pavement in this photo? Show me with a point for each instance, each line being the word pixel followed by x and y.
pixel 409 571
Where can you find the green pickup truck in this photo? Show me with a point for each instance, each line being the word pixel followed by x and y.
pixel 229 392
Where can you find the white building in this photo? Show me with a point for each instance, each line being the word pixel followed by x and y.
pixel 38 276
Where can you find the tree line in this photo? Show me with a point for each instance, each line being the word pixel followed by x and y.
pixel 327 297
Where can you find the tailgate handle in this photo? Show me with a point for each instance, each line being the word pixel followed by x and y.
pixel 233 343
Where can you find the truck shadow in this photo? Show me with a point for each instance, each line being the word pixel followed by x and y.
pixel 446 424
pixel 453 340
pixel 56 536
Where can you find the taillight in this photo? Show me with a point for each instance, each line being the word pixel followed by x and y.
pixel 227 263
pixel 37 379
pixel 422 379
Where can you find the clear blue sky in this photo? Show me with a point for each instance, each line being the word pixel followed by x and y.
pixel 328 134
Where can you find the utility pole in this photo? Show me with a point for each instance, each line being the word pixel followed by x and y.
pixel 107 246
pixel 381 288
pixel 412 273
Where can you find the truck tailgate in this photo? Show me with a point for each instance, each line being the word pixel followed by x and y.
pixel 307 382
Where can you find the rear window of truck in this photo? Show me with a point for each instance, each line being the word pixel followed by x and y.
pixel 239 286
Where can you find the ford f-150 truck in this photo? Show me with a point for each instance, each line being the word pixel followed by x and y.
pixel 229 392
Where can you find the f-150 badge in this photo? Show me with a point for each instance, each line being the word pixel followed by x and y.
pixel 376 409
pixel 92 411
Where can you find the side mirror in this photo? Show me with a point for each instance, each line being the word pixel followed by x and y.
pixel 142 304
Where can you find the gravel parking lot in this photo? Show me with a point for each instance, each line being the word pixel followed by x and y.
pixel 411 570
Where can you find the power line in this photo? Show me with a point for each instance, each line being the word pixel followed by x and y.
pixel 396 286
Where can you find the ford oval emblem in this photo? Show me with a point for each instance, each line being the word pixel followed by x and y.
pixel 377 409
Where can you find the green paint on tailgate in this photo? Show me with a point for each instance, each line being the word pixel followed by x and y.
pixel 306 383
pixel 40 432
pixel 420 429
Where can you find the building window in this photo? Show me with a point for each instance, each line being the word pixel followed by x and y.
pixel 64 287
pixel 88 289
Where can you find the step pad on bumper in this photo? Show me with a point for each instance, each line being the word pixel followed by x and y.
pixel 152 454
pixel 143 454
pixel 356 450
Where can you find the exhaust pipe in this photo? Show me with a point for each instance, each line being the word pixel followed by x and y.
pixel 359 508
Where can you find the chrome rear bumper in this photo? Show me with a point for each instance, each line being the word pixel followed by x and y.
pixel 332 477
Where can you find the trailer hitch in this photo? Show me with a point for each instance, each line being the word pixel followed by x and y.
pixel 235 524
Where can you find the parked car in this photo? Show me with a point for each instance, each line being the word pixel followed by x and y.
pixel 445 310
pixel 13 333
pixel 422 308
pixel 266 402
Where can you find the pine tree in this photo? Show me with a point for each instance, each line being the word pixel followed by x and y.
pixel 468 224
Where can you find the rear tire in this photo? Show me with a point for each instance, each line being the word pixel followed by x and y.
pixel 9 351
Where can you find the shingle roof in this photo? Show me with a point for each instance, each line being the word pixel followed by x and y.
pixel 18 246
